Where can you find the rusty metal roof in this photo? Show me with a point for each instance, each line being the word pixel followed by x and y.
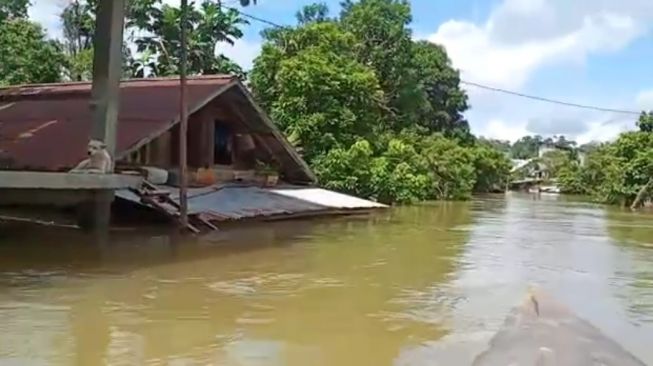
pixel 47 127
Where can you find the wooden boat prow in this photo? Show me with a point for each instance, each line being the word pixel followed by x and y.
pixel 543 332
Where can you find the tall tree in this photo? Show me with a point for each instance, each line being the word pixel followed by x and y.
pixel 209 25
pixel 422 88
pixel 26 56
pixel 78 21
pixel 384 42
pixel 316 90
pixel 317 12
pixel 438 87
pixel 526 147
pixel 645 122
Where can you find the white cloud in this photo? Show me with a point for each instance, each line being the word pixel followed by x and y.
pixel 47 13
pixel 604 130
pixel 522 37
pixel 645 100
pixel 503 130
pixel 243 52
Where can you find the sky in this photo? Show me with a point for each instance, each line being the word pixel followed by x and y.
pixel 592 52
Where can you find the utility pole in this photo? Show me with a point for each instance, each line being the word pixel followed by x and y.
pixel 105 95
pixel 183 124
pixel 107 71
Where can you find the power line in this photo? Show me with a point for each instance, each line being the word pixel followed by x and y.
pixel 261 20
pixel 481 86
pixel 548 100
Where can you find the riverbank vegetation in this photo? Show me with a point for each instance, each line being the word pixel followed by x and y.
pixel 374 112
pixel 618 172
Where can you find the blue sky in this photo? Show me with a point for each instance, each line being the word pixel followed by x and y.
pixel 583 51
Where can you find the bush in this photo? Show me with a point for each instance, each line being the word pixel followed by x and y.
pixel 410 168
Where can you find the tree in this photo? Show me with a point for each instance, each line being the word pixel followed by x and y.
pixel 526 147
pixel 645 122
pixel 492 168
pixel 439 84
pixel 617 173
pixel 501 145
pixel 374 113
pixel 26 56
pixel 555 160
pixel 317 12
pixel 78 21
pixel 320 95
pixel 13 9
pixel 208 25
pixel 384 42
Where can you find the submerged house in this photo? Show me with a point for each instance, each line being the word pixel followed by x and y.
pixel 240 164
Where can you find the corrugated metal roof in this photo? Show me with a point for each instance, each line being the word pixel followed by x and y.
pixel 327 198
pixel 238 202
pixel 47 127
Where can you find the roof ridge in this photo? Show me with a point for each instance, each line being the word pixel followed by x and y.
pixel 122 81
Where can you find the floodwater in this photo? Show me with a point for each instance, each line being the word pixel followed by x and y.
pixel 424 285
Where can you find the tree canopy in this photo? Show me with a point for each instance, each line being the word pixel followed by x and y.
pixel 374 112
pixel 12 9
pixel 26 56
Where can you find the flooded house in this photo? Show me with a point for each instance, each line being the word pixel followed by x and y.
pixel 240 166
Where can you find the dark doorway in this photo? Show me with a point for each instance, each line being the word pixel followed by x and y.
pixel 222 152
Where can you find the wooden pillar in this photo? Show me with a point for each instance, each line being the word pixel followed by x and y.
pixel 107 71
pixel 183 125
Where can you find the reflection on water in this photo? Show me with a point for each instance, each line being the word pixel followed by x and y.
pixel 423 285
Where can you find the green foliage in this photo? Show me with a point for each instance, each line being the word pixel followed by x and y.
pixel 645 122
pixel 374 113
pixel 384 41
pixel 78 21
pixel 492 168
pixel 317 12
pixel 526 147
pixel 438 89
pixel 501 145
pixel 614 172
pixel 79 66
pixel 555 160
pixel 208 25
pixel 325 99
pixel 571 179
pixel 13 9
pixel 409 168
pixel 26 56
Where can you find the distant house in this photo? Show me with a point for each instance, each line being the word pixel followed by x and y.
pixel 47 128
pixel 545 148
pixel 529 169
pixel 582 157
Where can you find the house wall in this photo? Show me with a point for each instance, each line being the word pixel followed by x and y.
pixel 163 151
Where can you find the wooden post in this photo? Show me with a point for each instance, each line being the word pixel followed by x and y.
pixel 107 71
pixel 183 125
pixel 105 93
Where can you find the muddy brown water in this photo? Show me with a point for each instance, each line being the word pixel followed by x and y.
pixel 424 285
